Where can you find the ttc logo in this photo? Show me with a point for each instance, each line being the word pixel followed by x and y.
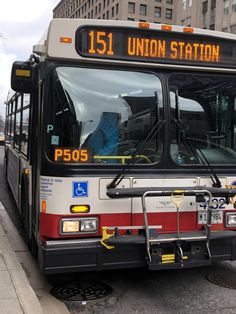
pixel 80 189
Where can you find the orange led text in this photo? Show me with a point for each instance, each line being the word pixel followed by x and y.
pixel 178 50
pixel 70 155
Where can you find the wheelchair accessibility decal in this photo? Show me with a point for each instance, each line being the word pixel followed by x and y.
pixel 80 189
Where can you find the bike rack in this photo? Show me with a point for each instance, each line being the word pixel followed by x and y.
pixel 150 235
pixel 177 197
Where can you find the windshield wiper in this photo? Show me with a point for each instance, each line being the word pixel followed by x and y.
pixel 151 133
pixel 194 148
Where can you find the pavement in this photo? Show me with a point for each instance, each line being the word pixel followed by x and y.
pixel 16 294
pixel 23 288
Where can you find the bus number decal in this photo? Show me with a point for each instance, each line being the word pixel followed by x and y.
pixel 216 204
pixel 70 155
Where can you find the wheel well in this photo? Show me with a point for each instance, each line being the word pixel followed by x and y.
pixel 29 234
pixel 23 192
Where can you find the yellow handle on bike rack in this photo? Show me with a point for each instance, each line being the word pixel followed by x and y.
pixel 177 197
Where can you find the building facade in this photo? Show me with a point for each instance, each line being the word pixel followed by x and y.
pixel 157 11
pixel 218 15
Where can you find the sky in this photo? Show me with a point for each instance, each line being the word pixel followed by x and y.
pixel 22 23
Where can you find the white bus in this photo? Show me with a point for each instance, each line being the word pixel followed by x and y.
pixel 121 146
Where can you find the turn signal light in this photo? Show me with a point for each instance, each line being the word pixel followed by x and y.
pixel 79 209
pixel 26 171
pixel 22 72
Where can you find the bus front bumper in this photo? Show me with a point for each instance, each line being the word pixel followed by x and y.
pixel 63 256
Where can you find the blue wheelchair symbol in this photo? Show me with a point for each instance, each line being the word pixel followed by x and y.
pixel 80 189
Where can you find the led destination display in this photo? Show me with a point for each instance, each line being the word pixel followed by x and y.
pixel 154 46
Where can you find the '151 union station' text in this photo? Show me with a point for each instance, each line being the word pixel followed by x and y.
pixel 180 50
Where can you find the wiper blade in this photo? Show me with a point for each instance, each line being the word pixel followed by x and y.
pixel 193 148
pixel 151 133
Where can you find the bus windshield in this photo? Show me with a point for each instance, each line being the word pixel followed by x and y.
pixel 205 108
pixel 100 116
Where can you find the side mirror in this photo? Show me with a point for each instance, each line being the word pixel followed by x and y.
pixel 24 76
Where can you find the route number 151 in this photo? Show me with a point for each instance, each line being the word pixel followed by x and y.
pixel 100 43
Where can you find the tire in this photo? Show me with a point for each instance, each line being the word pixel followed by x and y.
pixel 34 246
pixel 5 172
pixel 25 223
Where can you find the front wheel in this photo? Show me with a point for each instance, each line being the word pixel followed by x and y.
pixel 33 246
pixel 25 222
pixel 5 172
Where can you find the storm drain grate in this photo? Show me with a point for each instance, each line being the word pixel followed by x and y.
pixel 81 291
pixel 226 279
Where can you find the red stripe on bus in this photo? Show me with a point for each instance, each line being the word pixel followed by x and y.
pixel 50 223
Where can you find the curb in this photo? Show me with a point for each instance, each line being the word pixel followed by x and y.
pixel 18 279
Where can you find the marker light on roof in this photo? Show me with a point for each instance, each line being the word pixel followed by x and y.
pixel 165 27
pixel 66 40
pixel 143 25
pixel 188 29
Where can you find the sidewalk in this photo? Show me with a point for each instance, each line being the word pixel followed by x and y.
pixel 16 294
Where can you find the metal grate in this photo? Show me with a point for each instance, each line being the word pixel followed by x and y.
pixel 226 279
pixel 81 291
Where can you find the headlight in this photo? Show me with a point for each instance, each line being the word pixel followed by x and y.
pixel 69 226
pixel 231 220
pixel 88 224
pixel 78 225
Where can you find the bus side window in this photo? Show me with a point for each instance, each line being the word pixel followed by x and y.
pixel 25 124
pixel 25 127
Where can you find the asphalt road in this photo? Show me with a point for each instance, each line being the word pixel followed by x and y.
pixel 142 291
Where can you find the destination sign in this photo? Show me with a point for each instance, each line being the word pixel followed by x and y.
pixel 154 46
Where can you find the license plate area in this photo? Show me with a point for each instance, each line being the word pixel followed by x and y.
pixel 217 207
pixel 216 217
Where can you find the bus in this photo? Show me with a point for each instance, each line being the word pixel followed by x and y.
pixel 121 146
